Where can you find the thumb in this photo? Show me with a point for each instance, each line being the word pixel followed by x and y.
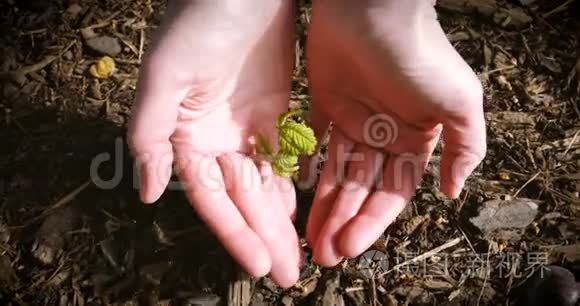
pixel 153 121
pixel 464 147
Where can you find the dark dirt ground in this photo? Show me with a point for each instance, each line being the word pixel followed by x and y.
pixel 63 241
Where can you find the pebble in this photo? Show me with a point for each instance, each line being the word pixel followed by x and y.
pixel 68 55
pixel 104 44
pixel 74 10
pixel 495 216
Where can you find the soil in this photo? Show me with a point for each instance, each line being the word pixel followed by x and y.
pixel 66 240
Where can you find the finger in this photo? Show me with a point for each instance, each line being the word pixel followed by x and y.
pixel 265 213
pixel 285 190
pixel 464 140
pixel 309 164
pixel 328 187
pixel 153 120
pixel 281 187
pixel 364 164
pixel 205 188
pixel 402 175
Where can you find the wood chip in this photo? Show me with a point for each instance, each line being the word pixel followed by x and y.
pixel 7 273
pixel 570 252
pixel 437 284
pixel 496 217
pixel 486 7
pixel 511 119
pixel 240 289
pixel 329 288
pixel 52 234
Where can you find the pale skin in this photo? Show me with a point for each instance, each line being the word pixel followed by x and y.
pixel 220 71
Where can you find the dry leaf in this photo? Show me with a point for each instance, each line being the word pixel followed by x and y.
pixel 570 252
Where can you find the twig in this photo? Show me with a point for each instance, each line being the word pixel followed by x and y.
pixel 127 43
pixel 373 291
pixel 485 73
pixel 469 243
pixel 571 143
pixel 526 184
pixel 141 43
pixel 60 203
pixel 557 9
pixel 354 289
pixel 240 290
pixel 19 75
pixel 101 24
pixel 485 278
pixel 32 32
pixel 426 255
pixel 69 197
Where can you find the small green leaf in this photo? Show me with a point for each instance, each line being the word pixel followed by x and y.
pixel 284 117
pixel 296 139
pixel 285 165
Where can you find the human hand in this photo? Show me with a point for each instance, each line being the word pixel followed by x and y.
pixel 385 74
pixel 218 73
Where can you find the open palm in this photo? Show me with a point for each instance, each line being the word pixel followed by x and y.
pixel 384 73
pixel 218 74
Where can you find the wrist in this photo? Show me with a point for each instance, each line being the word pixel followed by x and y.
pixel 401 11
pixel 255 11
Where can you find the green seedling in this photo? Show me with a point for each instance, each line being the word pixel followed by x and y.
pixel 295 139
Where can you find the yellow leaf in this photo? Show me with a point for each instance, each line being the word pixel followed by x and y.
pixel 103 68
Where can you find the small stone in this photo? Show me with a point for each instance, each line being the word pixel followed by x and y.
pixel 68 55
pixel 515 17
pixel 88 33
pixel 74 10
pixel 287 301
pixel 496 217
pixel 104 44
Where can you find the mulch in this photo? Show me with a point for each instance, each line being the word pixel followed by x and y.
pixel 67 240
